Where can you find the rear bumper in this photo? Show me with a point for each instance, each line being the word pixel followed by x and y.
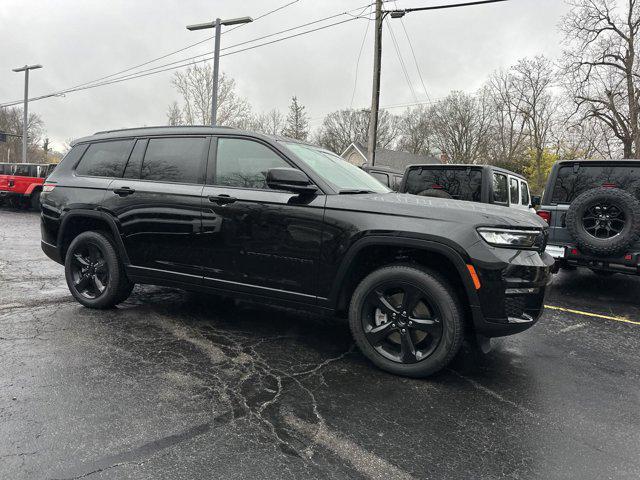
pixel 570 255
pixel 51 251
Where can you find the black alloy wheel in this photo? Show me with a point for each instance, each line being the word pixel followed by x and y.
pixel 89 271
pixel 603 220
pixel 407 319
pixel 94 271
pixel 401 323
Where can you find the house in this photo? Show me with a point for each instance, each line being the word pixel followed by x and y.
pixel 356 154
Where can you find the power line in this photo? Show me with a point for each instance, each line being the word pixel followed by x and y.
pixel 158 69
pixel 191 60
pixel 135 67
pixel 402 64
pixel 355 82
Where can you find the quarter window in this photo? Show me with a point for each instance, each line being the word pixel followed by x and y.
pixel 174 159
pixel 105 159
pixel 524 194
pixel 244 163
pixel 513 191
pixel 500 189
pixel 383 178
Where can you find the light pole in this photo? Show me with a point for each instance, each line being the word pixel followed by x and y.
pixel 216 55
pixel 25 116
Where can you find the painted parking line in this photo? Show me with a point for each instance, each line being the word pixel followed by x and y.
pixel 594 315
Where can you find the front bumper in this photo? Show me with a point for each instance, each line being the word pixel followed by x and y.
pixel 51 251
pixel 512 292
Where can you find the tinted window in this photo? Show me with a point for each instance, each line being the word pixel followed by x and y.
pixel 105 159
pixel 5 169
pixel 381 177
pixel 132 170
pixel 570 183
pixel 500 194
pixel 244 163
pixel 26 170
pixel 524 194
pixel 513 191
pixel 460 183
pixel 174 160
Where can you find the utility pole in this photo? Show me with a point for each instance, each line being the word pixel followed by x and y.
pixel 375 94
pixel 377 57
pixel 25 114
pixel 217 23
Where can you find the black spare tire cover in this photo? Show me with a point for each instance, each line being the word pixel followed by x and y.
pixel 435 192
pixel 604 221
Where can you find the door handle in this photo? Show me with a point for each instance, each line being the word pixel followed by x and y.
pixel 221 199
pixel 123 191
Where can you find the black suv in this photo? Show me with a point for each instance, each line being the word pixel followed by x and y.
pixel 593 208
pixel 277 221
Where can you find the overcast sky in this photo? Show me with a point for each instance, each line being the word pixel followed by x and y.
pixel 80 40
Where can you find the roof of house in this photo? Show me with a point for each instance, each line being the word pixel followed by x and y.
pixel 392 158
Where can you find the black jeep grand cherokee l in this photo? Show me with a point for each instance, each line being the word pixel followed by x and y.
pixel 278 221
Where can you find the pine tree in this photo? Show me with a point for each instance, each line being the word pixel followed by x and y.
pixel 297 126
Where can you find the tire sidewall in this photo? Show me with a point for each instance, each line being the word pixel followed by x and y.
pixel 108 298
pixel 438 292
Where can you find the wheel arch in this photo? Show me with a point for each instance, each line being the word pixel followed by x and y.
pixel 387 250
pixel 78 221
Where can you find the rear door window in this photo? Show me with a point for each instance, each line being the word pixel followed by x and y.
pixel 572 182
pixel 460 183
pixel 500 189
pixel 179 160
pixel 524 194
pixel 514 197
pixel 132 170
pixel 105 159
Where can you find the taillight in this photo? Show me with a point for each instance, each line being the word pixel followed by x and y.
pixel 545 215
pixel 48 187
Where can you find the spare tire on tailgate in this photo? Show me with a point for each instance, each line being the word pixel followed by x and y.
pixel 604 221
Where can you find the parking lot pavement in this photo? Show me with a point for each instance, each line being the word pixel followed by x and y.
pixel 176 385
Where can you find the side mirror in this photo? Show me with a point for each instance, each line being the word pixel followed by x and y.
pixel 536 200
pixel 290 179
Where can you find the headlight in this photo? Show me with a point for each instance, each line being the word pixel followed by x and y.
pixel 504 237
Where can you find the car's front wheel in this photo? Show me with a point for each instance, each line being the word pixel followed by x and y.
pixel 95 275
pixel 406 320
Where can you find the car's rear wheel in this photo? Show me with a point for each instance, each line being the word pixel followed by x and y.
pixel 95 275
pixel 406 320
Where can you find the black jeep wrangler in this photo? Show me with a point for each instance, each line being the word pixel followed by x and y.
pixel 593 208
pixel 277 221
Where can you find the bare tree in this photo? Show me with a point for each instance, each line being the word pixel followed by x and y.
pixel 195 86
pixel 507 142
pixel 271 123
pixel 11 122
pixel 297 125
pixel 174 114
pixel 415 130
pixel 460 126
pixel 601 66
pixel 533 81
pixel 340 128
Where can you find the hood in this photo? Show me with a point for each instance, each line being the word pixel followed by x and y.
pixel 441 209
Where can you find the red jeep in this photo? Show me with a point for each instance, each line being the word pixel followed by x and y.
pixel 21 183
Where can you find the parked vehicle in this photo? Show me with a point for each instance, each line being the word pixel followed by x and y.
pixel 277 221
pixel 21 183
pixel 388 176
pixel 593 209
pixel 474 183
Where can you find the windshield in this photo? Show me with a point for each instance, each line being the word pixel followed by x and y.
pixel 335 170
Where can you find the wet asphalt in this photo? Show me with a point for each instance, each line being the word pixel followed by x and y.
pixel 180 386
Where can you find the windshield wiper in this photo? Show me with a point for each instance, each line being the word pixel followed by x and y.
pixel 351 191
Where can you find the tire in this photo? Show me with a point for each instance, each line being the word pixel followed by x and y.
pixel 91 261
pixel 604 221
pixel 34 201
pixel 434 346
pixel 434 192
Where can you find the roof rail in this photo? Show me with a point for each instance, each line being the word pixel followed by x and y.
pixel 160 126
